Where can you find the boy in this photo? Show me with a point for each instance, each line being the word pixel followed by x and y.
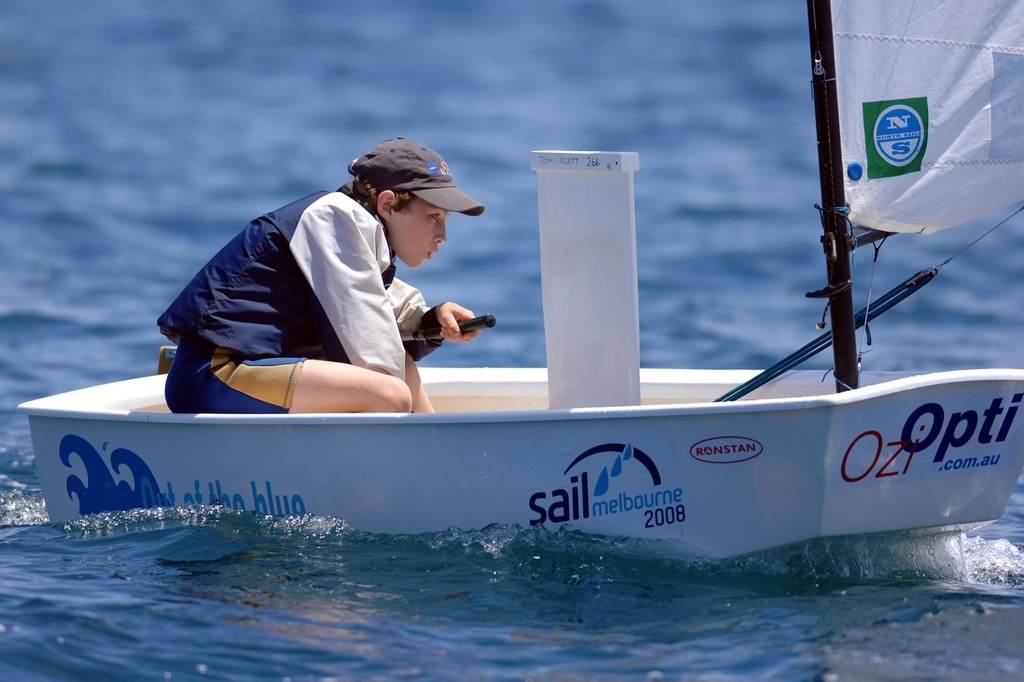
pixel 302 312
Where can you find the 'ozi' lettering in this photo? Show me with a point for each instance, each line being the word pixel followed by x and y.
pixel 928 425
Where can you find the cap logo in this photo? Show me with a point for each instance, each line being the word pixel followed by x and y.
pixel 438 169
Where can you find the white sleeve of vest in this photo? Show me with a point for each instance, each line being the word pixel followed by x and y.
pixel 408 304
pixel 341 249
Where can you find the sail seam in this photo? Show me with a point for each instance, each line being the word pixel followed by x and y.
pixel 972 162
pixel 931 41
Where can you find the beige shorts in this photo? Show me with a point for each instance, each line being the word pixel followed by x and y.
pixel 271 380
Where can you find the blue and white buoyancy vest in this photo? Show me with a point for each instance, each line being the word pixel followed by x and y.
pixel 316 279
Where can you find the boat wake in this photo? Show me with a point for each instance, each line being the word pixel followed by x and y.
pixel 18 507
pixel 952 556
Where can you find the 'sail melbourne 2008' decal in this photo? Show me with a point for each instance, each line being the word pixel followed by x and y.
pixel 591 490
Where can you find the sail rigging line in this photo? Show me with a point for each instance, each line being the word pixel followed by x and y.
pixel 898 293
pixel 982 236
pixel 886 302
pixel 866 332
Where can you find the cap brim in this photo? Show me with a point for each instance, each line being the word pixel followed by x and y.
pixel 450 199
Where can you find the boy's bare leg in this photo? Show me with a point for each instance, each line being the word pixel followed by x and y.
pixel 420 399
pixel 324 386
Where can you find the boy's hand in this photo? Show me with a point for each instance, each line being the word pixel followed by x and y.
pixel 448 316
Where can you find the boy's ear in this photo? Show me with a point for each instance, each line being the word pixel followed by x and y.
pixel 385 200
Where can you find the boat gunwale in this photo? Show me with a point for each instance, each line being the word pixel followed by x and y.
pixel 44 407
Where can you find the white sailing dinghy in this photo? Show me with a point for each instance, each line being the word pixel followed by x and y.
pixel 920 113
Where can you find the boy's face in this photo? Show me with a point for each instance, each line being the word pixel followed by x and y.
pixel 416 232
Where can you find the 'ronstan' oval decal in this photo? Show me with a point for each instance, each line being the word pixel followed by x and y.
pixel 726 449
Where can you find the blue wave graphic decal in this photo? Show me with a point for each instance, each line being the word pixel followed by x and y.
pixel 102 493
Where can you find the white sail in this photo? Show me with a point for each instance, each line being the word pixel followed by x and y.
pixel 931 100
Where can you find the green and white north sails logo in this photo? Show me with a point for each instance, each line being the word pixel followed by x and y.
pixel 895 135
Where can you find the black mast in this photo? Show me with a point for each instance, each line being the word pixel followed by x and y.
pixel 837 238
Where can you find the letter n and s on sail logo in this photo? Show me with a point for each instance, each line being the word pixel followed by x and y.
pixel 895 136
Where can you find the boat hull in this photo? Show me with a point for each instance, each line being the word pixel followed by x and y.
pixel 716 479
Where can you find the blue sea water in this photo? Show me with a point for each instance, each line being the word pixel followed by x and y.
pixel 137 137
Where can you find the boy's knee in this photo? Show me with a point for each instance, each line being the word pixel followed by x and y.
pixel 395 397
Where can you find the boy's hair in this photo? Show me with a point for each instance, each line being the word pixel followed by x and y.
pixel 369 193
